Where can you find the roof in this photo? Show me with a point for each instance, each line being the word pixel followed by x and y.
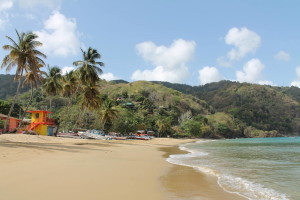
pixel 35 111
pixel 5 116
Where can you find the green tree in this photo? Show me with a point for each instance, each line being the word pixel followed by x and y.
pixel 69 87
pixel 32 78
pixel 163 126
pixel 69 84
pixel 53 83
pixel 126 122
pixel 88 68
pixel 89 99
pixel 224 130
pixel 192 128
pixel 88 73
pixel 5 107
pixel 108 113
pixel 25 56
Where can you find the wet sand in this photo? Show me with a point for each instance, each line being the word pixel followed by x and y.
pixel 40 167
pixel 186 183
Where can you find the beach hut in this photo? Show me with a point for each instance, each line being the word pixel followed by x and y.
pixel 13 122
pixel 41 124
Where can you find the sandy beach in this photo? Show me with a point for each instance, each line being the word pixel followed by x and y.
pixel 41 167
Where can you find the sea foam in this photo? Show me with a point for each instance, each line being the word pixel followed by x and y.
pixel 229 183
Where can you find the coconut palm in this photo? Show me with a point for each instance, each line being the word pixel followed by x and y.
pixel 69 84
pixel 52 83
pixel 89 99
pixel 23 55
pixel 163 126
pixel 32 78
pixel 88 68
pixel 108 112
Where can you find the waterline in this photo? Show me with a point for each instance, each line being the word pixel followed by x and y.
pixel 260 168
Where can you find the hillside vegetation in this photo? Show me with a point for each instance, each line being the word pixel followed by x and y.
pixel 8 86
pixel 263 107
pixel 140 106
pixel 224 109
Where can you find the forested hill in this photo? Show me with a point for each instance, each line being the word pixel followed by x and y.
pixel 8 86
pixel 237 108
pixel 263 107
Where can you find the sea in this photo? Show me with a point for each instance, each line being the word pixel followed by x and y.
pixel 255 168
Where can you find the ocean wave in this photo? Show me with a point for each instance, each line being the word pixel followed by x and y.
pixel 179 159
pixel 248 189
pixel 231 184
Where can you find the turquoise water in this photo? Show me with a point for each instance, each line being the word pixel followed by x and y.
pixel 256 168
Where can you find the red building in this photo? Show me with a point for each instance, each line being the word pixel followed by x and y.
pixel 13 123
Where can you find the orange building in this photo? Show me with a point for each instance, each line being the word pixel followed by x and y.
pixel 13 123
pixel 40 123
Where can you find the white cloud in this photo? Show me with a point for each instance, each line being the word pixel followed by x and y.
pixel 252 71
pixel 6 4
pixel 169 62
pixel 282 55
pixel 296 83
pixel 245 41
pixel 52 4
pixel 209 75
pixel 66 69
pixel 109 76
pixel 59 36
pixel 266 83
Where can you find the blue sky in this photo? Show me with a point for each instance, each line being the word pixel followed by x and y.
pixel 183 41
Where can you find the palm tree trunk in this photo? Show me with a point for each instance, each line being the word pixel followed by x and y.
pixel 12 106
pixel 50 102
pixel 82 114
pixel 29 103
pixel 69 106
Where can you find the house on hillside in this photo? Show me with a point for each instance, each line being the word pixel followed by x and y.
pixel 12 125
pixel 41 124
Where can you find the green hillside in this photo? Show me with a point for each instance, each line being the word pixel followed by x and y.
pixel 263 107
pixel 143 92
pixel 141 106
pixel 223 109
pixel 8 86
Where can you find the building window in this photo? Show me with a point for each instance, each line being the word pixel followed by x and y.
pixel 37 115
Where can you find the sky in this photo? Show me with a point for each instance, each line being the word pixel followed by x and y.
pixel 193 42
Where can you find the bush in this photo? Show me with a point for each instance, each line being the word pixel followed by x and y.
pixel 192 128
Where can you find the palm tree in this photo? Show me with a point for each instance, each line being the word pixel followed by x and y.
pixel 69 83
pixel 163 126
pixel 89 68
pixel 23 54
pixel 52 83
pixel 69 87
pixel 32 78
pixel 108 112
pixel 89 99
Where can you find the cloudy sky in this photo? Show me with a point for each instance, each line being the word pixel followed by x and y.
pixel 193 42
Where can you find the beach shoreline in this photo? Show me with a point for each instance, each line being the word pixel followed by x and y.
pixel 184 182
pixel 41 167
